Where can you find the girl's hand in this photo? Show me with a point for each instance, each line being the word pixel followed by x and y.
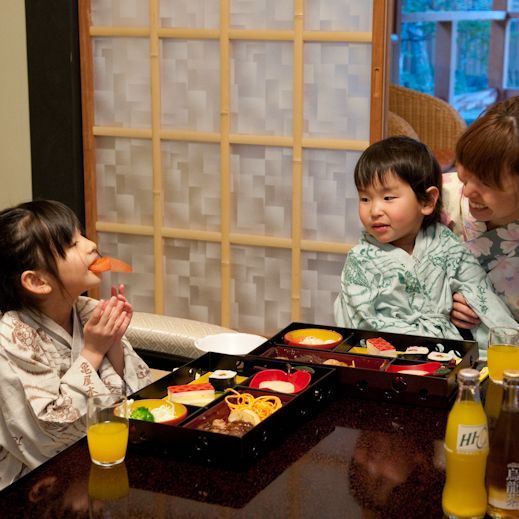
pixel 116 354
pixel 107 325
pixel 118 292
pixel 462 316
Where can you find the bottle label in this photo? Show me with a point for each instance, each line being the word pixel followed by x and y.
pixel 507 498
pixel 472 438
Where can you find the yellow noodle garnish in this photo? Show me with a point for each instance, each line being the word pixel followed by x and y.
pixel 263 406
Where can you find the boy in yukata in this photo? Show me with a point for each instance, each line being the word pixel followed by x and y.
pixel 402 275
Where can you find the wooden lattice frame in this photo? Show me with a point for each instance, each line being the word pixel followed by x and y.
pixel 297 142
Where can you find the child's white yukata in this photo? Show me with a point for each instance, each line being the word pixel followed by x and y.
pixel 384 288
pixel 44 383
pixel 497 250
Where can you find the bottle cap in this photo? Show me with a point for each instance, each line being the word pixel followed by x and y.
pixel 511 375
pixel 468 375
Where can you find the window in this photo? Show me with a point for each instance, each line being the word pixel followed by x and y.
pixel 463 51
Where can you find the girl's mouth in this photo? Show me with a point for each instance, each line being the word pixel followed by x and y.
pixel 475 205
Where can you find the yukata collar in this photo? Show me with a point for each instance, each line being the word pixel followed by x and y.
pixel 422 240
pixel 57 332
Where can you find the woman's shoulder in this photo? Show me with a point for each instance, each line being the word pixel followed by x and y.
pixel 452 194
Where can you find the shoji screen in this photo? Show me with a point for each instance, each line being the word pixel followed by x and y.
pixel 220 140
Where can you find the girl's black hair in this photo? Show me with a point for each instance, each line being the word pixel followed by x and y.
pixel 32 236
pixel 410 160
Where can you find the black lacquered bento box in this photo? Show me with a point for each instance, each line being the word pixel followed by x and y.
pixel 186 440
pixel 392 379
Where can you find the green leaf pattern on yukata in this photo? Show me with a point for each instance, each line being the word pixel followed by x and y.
pixel 355 272
pixel 482 298
pixel 410 282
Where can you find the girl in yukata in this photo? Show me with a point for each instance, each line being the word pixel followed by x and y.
pixel 56 346
pixel 402 275
pixel 481 203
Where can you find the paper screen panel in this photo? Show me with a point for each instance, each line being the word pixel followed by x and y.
pixel 200 14
pixel 122 82
pixel 190 85
pixel 191 174
pixel 320 284
pixel 330 198
pixel 331 15
pixel 261 87
pixel 261 190
pixel 260 289
pixel 192 280
pixel 262 14
pixel 124 183
pixel 138 252
pixel 260 108
pixel 337 90
pixel 130 13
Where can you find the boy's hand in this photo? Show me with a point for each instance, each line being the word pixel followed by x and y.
pixel 462 316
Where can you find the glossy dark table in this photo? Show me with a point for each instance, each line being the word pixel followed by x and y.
pixel 353 459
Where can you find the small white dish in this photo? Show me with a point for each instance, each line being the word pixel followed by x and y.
pixel 230 343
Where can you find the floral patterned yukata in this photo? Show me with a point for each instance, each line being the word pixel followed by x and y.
pixel 44 386
pixel 385 288
pixel 497 250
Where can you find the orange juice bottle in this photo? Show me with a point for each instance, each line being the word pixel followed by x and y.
pixel 466 450
pixel 493 399
pixel 503 460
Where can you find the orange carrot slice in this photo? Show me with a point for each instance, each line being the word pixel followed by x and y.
pixel 106 263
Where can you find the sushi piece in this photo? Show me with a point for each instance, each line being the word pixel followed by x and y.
pixel 440 356
pixel 105 264
pixel 419 350
pixel 221 379
pixel 379 346
pixel 191 394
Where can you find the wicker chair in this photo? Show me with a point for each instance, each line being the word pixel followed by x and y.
pixel 435 122
pixel 397 125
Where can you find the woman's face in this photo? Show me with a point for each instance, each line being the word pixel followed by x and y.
pixel 495 206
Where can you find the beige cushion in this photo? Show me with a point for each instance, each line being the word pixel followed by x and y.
pixel 166 334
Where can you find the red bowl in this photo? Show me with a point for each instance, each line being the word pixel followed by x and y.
pixel 300 379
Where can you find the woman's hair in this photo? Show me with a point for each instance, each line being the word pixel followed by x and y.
pixel 408 159
pixel 490 145
pixel 32 236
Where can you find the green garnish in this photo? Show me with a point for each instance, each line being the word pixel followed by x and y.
pixel 142 413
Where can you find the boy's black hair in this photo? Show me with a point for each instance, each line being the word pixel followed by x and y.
pixel 32 236
pixel 410 160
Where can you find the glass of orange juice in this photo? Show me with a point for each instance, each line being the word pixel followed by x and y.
pixel 503 351
pixel 107 429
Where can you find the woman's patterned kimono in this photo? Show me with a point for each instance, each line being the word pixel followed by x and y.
pixel 384 288
pixel 44 383
pixel 497 250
